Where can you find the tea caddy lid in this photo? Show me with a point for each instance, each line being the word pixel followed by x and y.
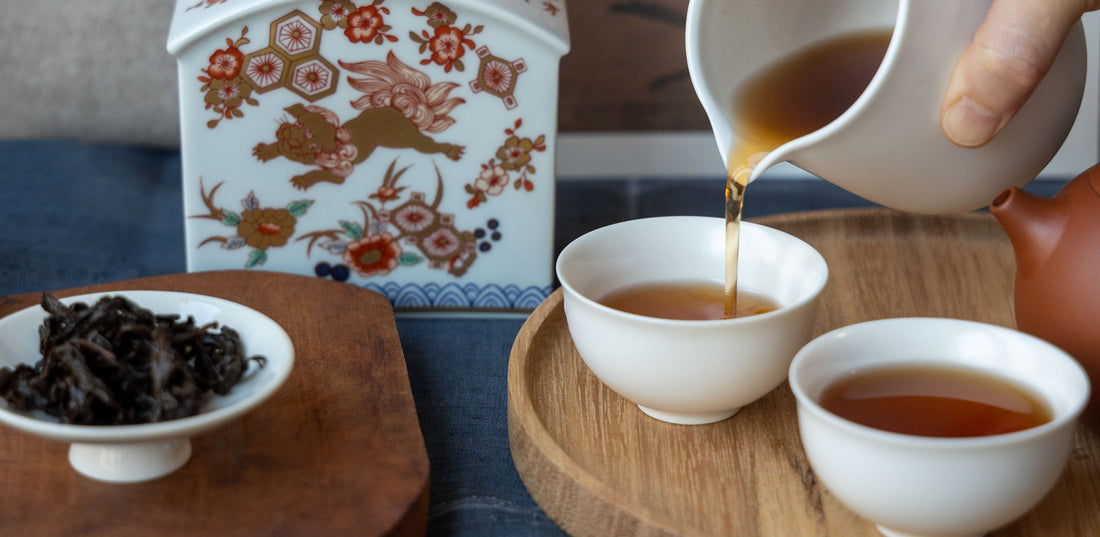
pixel 545 19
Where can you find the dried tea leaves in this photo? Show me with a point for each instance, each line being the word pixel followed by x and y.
pixel 117 363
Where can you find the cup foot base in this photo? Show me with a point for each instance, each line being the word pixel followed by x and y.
pixel 681 418
pixel 132 462
pixel 895 533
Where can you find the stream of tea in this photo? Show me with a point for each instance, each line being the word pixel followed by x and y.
pixel 792 98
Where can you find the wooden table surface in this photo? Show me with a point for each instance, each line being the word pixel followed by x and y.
pixel 336 451
pixel 598 466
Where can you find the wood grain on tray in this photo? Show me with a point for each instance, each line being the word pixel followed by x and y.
pixel 598 466
pixel 336 451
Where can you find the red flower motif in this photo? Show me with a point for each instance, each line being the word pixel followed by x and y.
pixel 225 64
pixel 226 96
pixel 447 46
pixel 460 263
pixel 413 218
pixel 491 180
pixel 515 153
pixel 442 243
pixel 335 13
pixel 373 255
pixel 339 11
pixel 386 193
pixel 230 92
pixel 266 228
pixel 438 15
pixel 364 24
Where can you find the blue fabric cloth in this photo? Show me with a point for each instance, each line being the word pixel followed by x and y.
pixel 77 214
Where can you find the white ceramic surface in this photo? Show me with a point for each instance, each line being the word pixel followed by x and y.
pixel 404 147
pixel 888 147
pixel 689 372
pixel 932 487
pixel 129 453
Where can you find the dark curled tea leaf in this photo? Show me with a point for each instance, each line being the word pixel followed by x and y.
pixel 116 363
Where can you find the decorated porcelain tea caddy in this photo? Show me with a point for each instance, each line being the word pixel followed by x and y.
pixel 404 147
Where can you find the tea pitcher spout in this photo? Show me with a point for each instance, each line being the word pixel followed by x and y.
pixel 887 146
pixel 1033 225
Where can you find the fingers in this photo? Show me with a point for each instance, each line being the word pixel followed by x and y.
pixel 1011 52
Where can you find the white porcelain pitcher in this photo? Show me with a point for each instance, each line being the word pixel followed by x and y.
pixel 888 146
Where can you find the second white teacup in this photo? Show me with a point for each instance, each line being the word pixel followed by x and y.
pixel 681 371
pixel 923 486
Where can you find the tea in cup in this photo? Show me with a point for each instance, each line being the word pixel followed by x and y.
pixel 701 367
pixel 936 427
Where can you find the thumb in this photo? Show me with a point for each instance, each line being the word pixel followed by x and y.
pixel 1011 52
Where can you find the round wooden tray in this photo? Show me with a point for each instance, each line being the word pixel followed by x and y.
pixel 598 466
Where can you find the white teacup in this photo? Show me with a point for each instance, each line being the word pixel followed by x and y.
pixel 924 486
pixel 689 372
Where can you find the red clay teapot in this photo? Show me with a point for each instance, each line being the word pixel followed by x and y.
pixel 1057 246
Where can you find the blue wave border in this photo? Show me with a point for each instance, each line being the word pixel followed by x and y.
pixel 469 296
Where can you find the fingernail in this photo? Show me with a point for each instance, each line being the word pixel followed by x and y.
pixel 969 124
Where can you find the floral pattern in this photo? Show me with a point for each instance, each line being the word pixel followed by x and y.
pixel 399 225
pixel 512 157
pixel 438 15
pixel 491 180
pixel 334 13
pixel 291 60
pixel 374 255
pixel 366 25
pixel 446 43
pixel 265 227
pixel 373 247
pixel 336 9
pixel 260 228
pixel 225 90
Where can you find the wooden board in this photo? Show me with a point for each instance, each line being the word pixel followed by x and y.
pixel 336 451
pixel 598 466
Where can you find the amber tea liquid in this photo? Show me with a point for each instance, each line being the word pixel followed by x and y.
pixel 938 401
pixel 792 98
pixel 684 300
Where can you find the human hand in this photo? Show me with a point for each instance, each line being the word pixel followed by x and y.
pixel 1011 52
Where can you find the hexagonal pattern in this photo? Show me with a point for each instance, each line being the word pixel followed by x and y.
pixel 266 69
pixel 292 60
pixel 296 34
pixel 313 78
